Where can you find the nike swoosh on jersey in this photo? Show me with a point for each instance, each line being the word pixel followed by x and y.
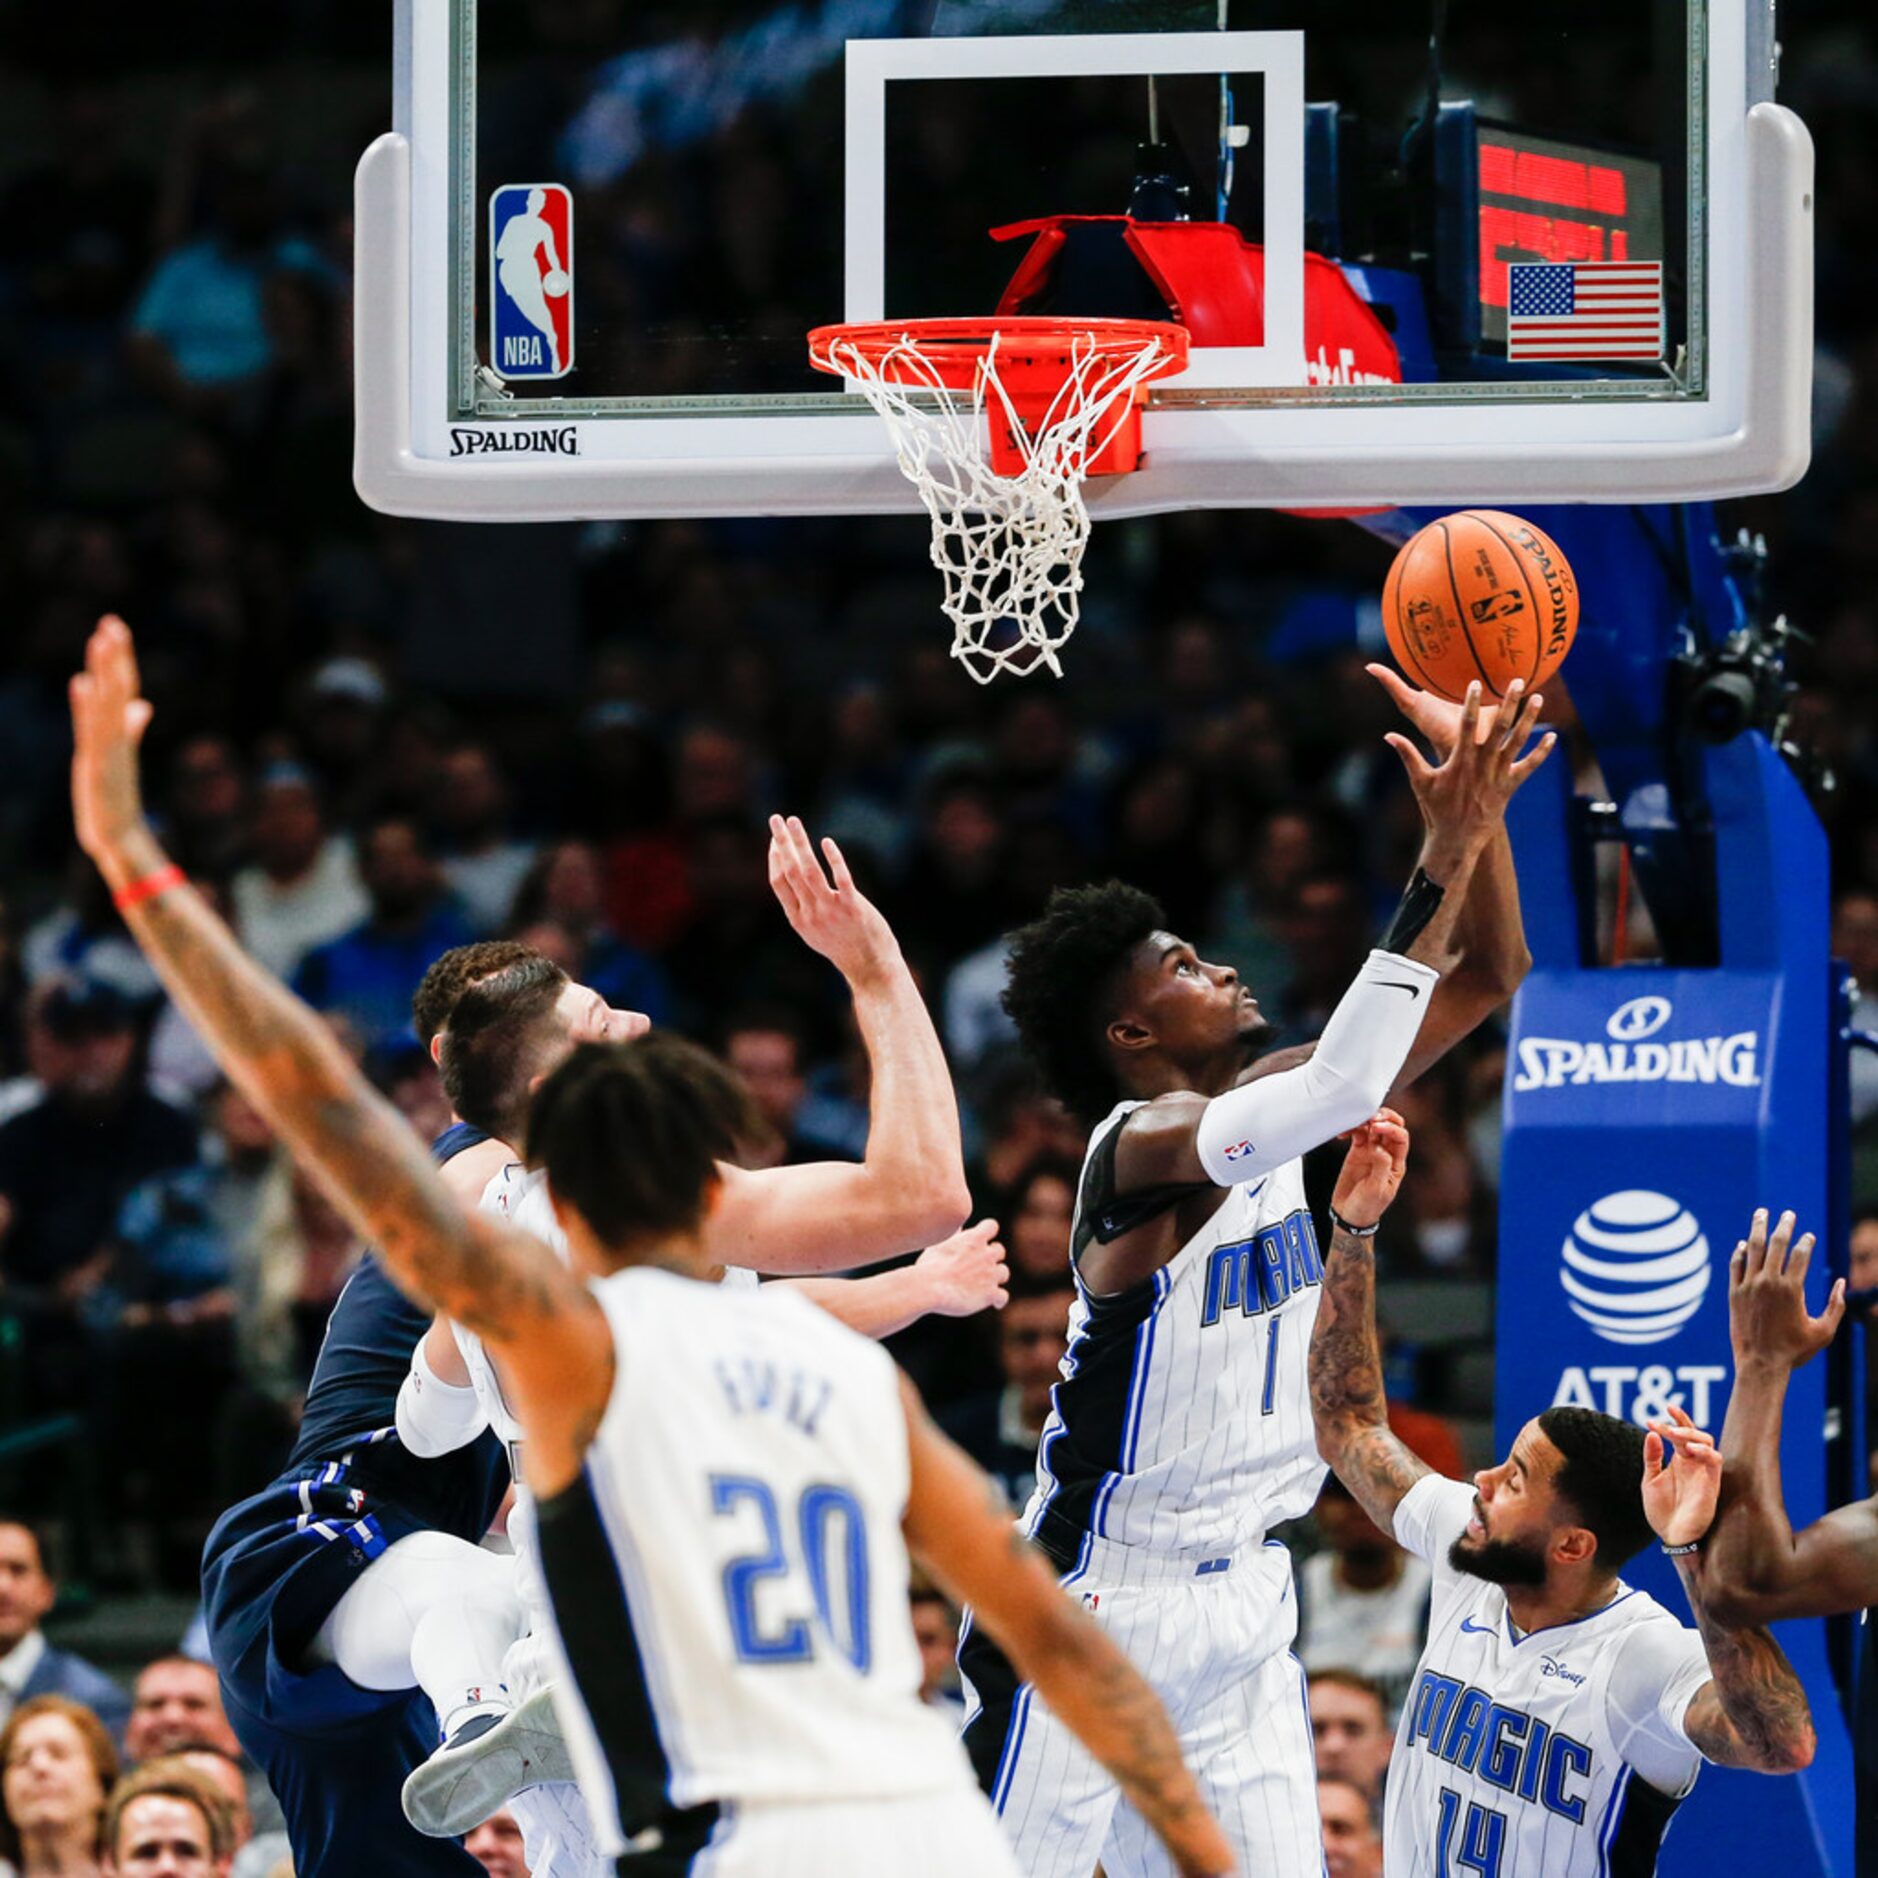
pixel 1481 1630
pixel 1397 984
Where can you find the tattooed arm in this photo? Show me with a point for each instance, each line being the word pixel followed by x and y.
pixel 510 1289
pixel 959 1529
pixel 1752 1712
pixel 1347 1402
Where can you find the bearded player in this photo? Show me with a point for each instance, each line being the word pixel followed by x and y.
pixel 1557 1716
pixel 1181 1433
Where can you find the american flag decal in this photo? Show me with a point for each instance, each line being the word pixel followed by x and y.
pixel 1584 310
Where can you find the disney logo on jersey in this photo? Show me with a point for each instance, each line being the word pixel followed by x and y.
pixel 531 281
pixel 1553 1062
pixel 1551 1666
pixel 1260 1273
pixel 1635 1266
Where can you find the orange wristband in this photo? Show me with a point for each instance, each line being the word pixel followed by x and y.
pixel 149 887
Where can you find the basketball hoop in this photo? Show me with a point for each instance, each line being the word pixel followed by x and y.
pixel 996 422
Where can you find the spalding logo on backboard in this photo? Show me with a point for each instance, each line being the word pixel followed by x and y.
pixel 531 281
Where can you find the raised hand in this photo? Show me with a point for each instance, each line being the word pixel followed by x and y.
pixel 1679 1496
pixel 1768 1322
pixel 1463 798
pixel 1437 718
pixel 1372 1169
pixel 966 1273
pixel 109 718
pixel 838 920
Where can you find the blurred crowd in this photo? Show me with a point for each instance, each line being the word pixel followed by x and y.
pixel 378 739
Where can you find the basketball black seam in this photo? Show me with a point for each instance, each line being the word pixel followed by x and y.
pixel 1460 612
pixel 1538 616
pixel 1408 649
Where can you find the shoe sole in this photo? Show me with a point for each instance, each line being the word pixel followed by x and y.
pixel 457 1789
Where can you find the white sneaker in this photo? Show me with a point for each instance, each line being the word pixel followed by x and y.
pixel 481 1768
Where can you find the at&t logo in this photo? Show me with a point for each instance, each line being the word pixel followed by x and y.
pixel 1635 1266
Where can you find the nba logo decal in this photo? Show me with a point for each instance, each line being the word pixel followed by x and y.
pixel 531 281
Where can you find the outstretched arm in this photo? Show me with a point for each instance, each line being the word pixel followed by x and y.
pixel 910 1189
pixel 1752 1712
pixel 506 1286
pixel 1188 1139
pixel 959 1529
pixel 1758 1568
pixel 1347 1403
pixel 956 1278
pixel 1490 934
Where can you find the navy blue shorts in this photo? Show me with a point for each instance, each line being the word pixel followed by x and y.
pixel 336 1755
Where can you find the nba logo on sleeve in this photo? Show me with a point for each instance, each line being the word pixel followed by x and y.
pixel 531 281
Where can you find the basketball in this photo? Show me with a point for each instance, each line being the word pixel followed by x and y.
pixel 1479 595
pixel 554 283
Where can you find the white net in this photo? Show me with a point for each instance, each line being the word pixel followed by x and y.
pixel 1008 546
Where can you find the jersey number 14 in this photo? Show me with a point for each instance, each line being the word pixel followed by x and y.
pixel 827 1560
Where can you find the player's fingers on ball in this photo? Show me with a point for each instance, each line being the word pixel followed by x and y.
pixel 1470 715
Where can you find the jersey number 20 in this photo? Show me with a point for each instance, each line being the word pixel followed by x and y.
pixel 830 1537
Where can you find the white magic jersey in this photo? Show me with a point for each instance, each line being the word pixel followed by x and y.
pixel 1559 1754
pixel 520 1196
pixel 729 1574
pixel 1183 1420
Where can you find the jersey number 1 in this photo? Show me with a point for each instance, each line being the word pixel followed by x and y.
pixel 830 1531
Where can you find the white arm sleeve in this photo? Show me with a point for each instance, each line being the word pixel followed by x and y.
pixel 1654 1678
pixel 1247 1132
pixel 436 1417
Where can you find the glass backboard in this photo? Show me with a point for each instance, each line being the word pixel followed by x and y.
pixel 1556 252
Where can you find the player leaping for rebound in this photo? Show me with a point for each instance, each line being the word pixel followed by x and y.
pixel 1181 1433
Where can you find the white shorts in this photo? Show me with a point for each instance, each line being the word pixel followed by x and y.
pixel 933 1835
pixel 1214 1641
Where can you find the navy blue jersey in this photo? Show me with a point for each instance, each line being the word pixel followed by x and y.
pixel 353 1398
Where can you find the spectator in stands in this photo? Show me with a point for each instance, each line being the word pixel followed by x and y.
pixel 1350 1727
pixel 367 975
pixel 66 1164
pixel 482 862
pixel 169 1819
pixel 177 1704
pixel 1352 1845
pixel 564 888
pixel 256 1853
pixel 29 1665
pixel 1038 1213
pixel 57 1764
pixel 1855 940
pixel 1362 1600
pixel 302 888
pixel 207 808
pixel 766 1045
pixel 999 1428
pixel 496 1845
pixel 952 898
pixel 936 1631
pixel 198 332
pixel 82 939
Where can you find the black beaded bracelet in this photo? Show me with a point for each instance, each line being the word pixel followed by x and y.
pixel 1355 1232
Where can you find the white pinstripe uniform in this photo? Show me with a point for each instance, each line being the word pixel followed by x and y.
pixel 557 1836
pixel 740 1684
pixel 1557 1754
pixel 1180 1435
